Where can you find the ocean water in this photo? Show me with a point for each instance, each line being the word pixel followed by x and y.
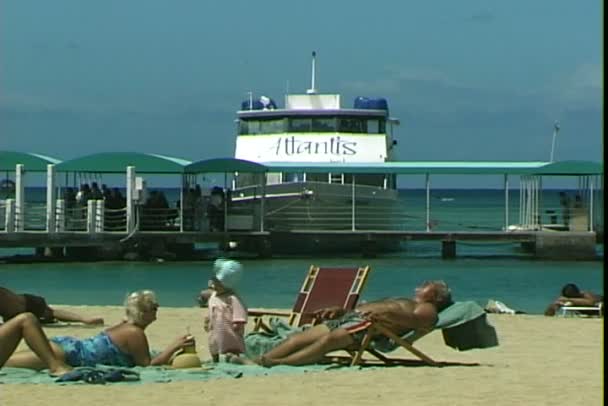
pixel 523 284
pixel 481 271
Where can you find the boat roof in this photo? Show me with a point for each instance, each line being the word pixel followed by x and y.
pixel 277 113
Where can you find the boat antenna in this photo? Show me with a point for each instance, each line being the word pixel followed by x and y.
pixel 312 89
pixel 555 131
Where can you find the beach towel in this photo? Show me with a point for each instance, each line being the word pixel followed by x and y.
pixel 153 374
pixel 262 341
pixel 99 375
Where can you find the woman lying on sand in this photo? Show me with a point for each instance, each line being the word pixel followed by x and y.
pixel 123 345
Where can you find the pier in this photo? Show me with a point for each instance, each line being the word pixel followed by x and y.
pixel 99 230
pixel 540 244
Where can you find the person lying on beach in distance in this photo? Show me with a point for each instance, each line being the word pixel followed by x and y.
pixel 26 326
pixel 573 296
pixel 345 330
pixel 123 345
pixel 13 304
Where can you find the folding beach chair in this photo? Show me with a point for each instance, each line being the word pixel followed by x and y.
pixel 463 324
pixel 322 287
pixel 588 311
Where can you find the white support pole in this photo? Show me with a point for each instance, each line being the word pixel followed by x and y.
pixel 263 202
pixel 353 205
pixel 60 216
pixel 225 201
pixel 181 203
pixel 9 218
pixel 51 199
pixel 99 215
pixel 428 202
pixel 19 198
pixel 91 209
pixel 521 200
pixel 591 186
pixel 506 183
pixel 130 202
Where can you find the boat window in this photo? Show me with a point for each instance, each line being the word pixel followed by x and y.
pixel 300 125
pixel 375 126
pixel 272 126
pixel 324 125
pixel 357 125
pixel 352 125
pixel 370 180
pixel 253 127
pixel 293 177
pixel 316 177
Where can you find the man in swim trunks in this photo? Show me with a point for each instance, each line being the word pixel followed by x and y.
pixel 344 330
pixel 13 304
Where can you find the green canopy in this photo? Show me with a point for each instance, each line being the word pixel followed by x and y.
pixel 117 162
pixel 31 162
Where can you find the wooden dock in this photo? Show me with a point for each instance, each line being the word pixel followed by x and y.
pixel 541 244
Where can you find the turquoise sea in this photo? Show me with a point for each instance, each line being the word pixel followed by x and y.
pixel 480 271
pixel 522 284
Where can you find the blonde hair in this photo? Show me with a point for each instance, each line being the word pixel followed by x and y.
pixel 137 303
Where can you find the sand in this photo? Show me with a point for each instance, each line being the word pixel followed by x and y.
pixel 540 361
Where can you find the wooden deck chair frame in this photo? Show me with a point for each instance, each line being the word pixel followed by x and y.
pixel 310 297
pixel 373 329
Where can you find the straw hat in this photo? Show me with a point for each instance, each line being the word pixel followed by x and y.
pixel 186 360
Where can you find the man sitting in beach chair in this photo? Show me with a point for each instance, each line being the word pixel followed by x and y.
pixel 345 330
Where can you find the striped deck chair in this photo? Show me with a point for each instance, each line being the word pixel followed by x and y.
pixel 463 324
pixel 322 287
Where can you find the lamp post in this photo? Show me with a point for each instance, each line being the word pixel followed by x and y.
pixel 555 131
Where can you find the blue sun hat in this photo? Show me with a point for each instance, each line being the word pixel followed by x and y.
pixel 228 272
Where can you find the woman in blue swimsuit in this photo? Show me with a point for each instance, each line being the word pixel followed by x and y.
pixel 124 344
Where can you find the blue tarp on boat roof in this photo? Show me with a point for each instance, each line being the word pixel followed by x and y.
pixel 370 103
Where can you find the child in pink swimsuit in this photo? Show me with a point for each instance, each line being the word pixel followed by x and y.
pixel 227 315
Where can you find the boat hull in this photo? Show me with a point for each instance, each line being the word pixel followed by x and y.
pixel 316 208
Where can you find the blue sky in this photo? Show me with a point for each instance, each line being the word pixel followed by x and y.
pixel 470 80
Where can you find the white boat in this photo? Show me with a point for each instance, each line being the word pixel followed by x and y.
pixel 313 128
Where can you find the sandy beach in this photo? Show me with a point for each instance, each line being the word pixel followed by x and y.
pixel 540 361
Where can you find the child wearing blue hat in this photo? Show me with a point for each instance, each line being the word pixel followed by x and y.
pixel 227 315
